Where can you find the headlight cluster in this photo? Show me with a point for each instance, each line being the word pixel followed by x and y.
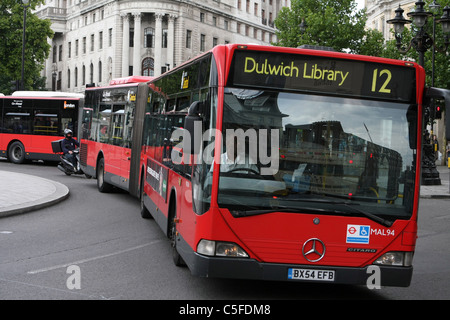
pixel 396 258
pixel 220 249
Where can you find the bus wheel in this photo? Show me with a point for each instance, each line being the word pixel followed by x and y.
pixel 144 211
pixel 102 186
pixel 16 152
pixel 177 259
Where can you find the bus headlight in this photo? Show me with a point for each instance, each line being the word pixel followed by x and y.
pixel 220 249
pixel 396 258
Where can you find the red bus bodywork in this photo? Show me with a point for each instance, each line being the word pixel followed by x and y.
pixel 274 241
pixel 286 246
pixel 46 120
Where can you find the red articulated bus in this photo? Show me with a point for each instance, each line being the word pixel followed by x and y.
pixel 271 163
pixel 31 120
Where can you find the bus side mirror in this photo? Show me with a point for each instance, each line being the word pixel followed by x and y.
pixel 438 93
pixel 193 126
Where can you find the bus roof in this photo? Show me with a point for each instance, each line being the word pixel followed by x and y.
pixel 131 79
pixel 47 94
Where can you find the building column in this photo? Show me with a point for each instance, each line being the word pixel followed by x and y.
pixel 171 41
pixel 137 44
pixel 126 44
pixel 158 43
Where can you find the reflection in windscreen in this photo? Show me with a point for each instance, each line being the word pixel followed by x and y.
pixel 330 149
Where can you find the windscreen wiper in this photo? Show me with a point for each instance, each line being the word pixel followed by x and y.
pixel 371 216
pixel 255 212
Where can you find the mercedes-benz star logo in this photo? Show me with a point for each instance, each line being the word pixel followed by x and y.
pixel 313 250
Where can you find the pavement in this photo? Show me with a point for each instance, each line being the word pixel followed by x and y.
pixel 21 193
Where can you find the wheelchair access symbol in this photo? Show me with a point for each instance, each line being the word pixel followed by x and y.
pixel 358 234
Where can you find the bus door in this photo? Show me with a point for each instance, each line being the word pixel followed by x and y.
pixel 127 141
pixel 118 152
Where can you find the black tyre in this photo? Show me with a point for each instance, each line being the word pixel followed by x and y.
pixel 16 152
pixel 102 186
pixel 144 211
pixel 177 259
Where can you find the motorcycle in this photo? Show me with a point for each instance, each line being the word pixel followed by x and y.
pixel 65 165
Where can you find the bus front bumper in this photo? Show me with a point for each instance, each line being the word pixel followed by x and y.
pixel 240 268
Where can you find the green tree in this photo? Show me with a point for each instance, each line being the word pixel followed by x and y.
pixel 36 49
pixel 332 23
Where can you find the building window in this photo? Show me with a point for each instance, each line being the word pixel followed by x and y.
pixel 84 45
pixel 164 38
pixel 60 52
pixel 58 82
pixel 76 77
pixel 202 42
pixel 149 38
pixel 215 41
pixel 92 42
pixel 225 25
pixel 131 43
pixel 83 76
pixel 100 70
pixel 76 48
pixel 148 65
pixel 202 17
pixel 100 40
pixel 110 35
pixel 68 78
pixel 188 39
pixel 91 73
pixel 54 54
pixel 69 49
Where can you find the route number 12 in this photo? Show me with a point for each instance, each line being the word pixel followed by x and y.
pixel 377 76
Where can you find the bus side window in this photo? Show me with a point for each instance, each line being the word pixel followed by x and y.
pixel 45 123
pixel 104 123
pixel 117 124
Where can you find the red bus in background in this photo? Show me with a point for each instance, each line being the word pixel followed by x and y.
pixel 331 194
pixel 31 120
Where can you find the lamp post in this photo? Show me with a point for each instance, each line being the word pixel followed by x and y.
pixel 421 42
pixel 25 4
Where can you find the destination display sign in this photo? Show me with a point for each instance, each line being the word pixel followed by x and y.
pixel 296 72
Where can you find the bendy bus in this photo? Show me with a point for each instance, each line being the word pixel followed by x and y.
pixel 271 163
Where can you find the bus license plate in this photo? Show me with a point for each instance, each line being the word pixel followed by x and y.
pixel 310 274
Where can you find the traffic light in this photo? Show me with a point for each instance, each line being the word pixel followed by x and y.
pixel 15 85
pixel 438 114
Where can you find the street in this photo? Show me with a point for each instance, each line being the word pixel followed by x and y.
pixel 102 239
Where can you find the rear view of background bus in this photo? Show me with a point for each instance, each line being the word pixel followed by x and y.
pixel 30 121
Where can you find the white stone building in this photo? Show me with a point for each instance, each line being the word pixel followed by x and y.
pixel 379 11
pixel 98 40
